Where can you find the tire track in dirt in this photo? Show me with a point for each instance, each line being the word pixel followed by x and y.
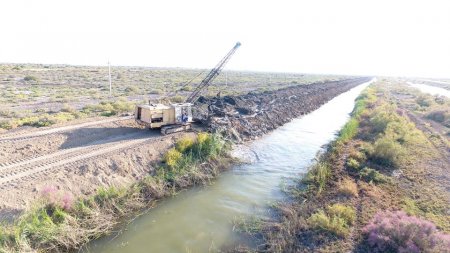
pixel 42 166
pixel 22 136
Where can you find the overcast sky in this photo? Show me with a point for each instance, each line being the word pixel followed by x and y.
pixel 337 37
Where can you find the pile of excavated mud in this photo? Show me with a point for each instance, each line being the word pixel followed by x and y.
pixel 247 117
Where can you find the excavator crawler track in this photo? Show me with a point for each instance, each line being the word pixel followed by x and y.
pixel 165 130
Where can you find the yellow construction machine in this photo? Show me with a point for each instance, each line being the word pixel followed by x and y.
pixel 176 117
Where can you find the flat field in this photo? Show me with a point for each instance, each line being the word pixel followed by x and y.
pixel 42 95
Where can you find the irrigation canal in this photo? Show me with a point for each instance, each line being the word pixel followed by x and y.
pixel 201 219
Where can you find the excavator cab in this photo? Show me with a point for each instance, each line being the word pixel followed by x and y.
pixel 166 117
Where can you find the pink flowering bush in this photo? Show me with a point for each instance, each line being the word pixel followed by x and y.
pixel 398 232
pixel 57 198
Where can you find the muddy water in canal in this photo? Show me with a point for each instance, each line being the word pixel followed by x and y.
pixel 200 219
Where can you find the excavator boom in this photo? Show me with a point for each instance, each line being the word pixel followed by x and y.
pixel 176 117
pixel 211 75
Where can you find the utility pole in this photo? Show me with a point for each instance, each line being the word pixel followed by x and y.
pixel 110 84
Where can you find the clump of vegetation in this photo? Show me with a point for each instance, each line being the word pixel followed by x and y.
pixel 173 157
pixel 187 153
pixel 398 232
pixel 130 89
pixel 177 99
pixel 381 117
pixel 318 176
pixel 387 151
pixel 424 101
pixel 156 91
pixel 110 108
pixel 184 144
pixel 348 187
pixel 357 155
pixel 336 220
pixel 31 78
pixel 250 225
pixel 353 164
pixel 440 116
pixel 371 175
pixel 349 130
pixel 393 135
pixel 42 120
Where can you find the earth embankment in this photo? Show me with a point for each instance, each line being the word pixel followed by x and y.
pixel 250 116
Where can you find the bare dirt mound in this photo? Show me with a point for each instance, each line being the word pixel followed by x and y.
pixel 250 116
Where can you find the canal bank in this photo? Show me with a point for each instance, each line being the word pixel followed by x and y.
pixel 201 219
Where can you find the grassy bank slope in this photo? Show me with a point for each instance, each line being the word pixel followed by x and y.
pixel 59 223
pixel 370 192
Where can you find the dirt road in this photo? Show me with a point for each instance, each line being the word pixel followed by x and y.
pixel 75 159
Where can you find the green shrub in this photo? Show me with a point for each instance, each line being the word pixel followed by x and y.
pixel 156 91
pixel 353 164
pixel 31 78
pixel 318 176
pixel 172 157
pixel 358 155
pixel 4 237
pixel 187 88
pixel 336 220
pixel 38 226
pixel 439 116
pixel 184 144
pixel 177 99
pixel 205 147
pixel 349 130
pixel 424 101
pixel 67 108
pixel 371 175
pixel 382 116
pixel 104 195
pixel 387 151
pixel 5 124
pixel 131 89
pixel 346 212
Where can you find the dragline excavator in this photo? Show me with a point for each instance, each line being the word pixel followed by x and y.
pixel 176 117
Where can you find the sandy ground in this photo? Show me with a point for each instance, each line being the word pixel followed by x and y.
pixel 76 159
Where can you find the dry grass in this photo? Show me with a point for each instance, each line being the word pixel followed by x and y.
pixel 348 188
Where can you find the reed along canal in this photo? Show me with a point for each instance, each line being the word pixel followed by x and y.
pixel 201 219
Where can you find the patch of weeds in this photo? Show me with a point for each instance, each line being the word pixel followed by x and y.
pixel 424 101
pixel 31 78
pixel 184 144
pixel 387 151
pixel 349 130
pixel 250 225
pixel 318 176
pixel 105 195
pixel 348 187
pixel 336 220
pixel 353 164
pixel 172 157
pixel 371 175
